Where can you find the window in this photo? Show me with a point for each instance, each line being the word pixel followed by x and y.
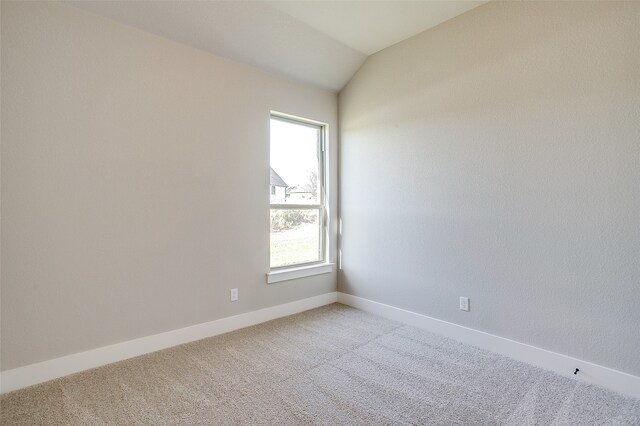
pixel 298 210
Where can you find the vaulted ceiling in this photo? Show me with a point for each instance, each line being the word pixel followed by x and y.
pixel 317 42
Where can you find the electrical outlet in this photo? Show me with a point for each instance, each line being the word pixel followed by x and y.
pixel 464 304
pixel 234 294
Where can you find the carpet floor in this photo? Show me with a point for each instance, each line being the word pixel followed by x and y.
pixel 329 366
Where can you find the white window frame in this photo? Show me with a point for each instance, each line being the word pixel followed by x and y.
pixel 321 266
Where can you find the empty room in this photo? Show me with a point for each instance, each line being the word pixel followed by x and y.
pixel 320 213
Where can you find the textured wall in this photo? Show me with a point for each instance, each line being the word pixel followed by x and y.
pixel 497 156
pixel 134 183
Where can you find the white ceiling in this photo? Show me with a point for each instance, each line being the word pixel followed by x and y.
pixel 317 42
pixel 370 26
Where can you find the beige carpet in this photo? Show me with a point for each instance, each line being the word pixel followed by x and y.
pixel 332 366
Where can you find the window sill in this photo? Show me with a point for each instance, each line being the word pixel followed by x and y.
pixel 298 272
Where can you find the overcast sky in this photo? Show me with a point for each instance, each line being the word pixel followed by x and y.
pixel 294 151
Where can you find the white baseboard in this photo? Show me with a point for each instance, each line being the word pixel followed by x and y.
pixel 562 364
pixel 28 375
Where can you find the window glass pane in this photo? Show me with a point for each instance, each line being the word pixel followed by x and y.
pixel 295 236
pixel 294 163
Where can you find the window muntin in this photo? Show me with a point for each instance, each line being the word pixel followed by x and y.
pixel 297 232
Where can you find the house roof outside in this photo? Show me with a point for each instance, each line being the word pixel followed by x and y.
pixel 297 190
pixel 276 180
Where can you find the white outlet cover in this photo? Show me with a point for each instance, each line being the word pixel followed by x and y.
pixel 464 304
pixel 234 294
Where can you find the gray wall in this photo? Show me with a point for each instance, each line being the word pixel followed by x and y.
pixel 496 156
pixel 135 175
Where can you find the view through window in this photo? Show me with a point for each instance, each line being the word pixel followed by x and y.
pixel 296 192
